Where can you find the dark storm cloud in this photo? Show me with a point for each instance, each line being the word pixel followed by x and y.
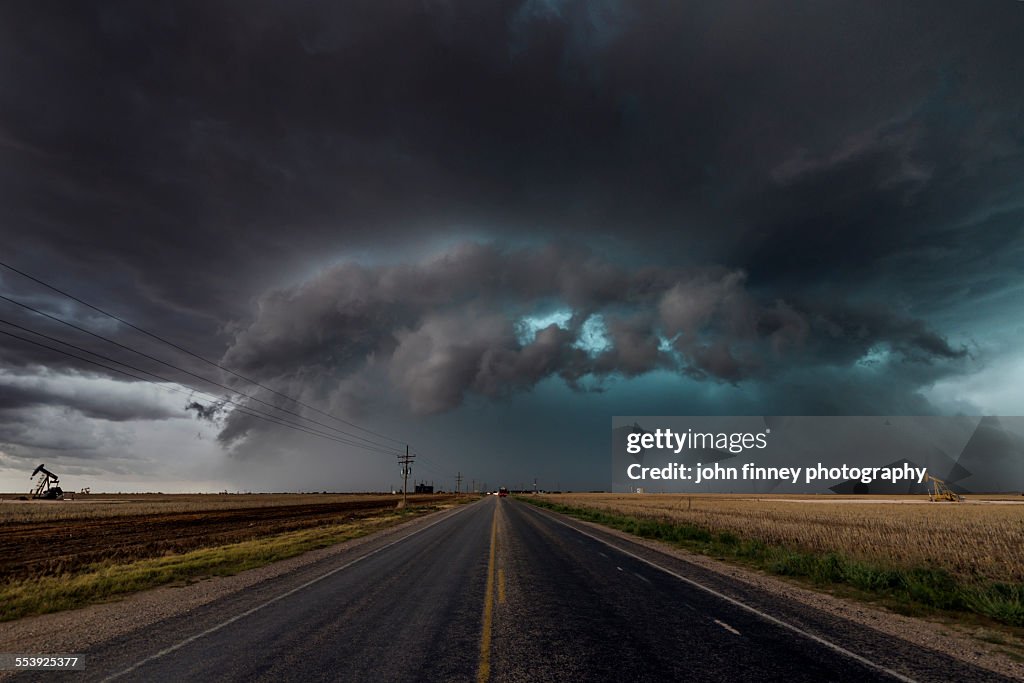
pixel 763 185
pixel 634 346
pixel 788 141
pixel 454 326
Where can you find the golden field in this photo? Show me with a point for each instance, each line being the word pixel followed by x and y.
pixel 978 539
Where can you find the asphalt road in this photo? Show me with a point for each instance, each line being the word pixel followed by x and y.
pixel 499 590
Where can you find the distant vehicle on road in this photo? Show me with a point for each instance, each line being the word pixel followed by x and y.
pixel 502 492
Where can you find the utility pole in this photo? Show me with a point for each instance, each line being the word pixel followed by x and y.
pixel 458 484
pixel 406 462
pixel 535 484
pixel 474 486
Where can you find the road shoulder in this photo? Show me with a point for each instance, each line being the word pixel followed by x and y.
pixel 932 635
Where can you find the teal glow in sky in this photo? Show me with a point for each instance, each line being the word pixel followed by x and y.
pixel 527 327
pixel 592 337
pixel 876 356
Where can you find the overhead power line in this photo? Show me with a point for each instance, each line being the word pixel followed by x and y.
pixel 195 355
pixel 189 391
pixel 246 410
pixel 180 369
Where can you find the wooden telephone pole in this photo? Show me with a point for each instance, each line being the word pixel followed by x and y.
pixel 406 462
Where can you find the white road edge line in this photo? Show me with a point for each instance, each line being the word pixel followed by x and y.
pixel 213 629
pixel 796 629
pixel 726 626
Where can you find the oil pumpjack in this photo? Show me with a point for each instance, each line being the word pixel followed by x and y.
pixel 46 485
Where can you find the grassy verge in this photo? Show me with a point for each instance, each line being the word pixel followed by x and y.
pixel 909 589
pixel 102 582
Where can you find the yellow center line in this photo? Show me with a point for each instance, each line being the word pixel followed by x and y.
pixel 501 570
pixel 484 671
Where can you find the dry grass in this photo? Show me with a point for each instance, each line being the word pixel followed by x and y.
pixel 98 506
pixel 970 540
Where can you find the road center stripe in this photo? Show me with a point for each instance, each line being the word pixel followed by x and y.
pixel 484 672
